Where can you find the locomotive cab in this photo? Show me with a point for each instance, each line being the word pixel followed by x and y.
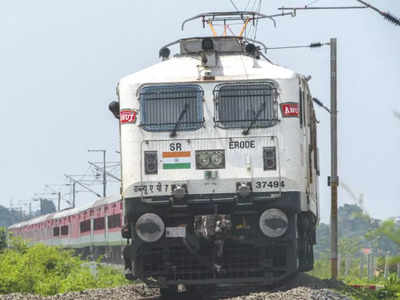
pixel 219 166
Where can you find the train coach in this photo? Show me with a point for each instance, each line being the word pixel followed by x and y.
pixel 92 230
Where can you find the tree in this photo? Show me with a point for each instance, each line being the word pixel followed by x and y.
pixel 388 230
pixel 3 238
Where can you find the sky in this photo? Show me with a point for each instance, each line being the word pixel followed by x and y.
pixel 60 62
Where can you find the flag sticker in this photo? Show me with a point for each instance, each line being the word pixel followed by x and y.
pixel 176 160
pixel 290 109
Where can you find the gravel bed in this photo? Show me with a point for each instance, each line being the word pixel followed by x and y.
pixel 300 293
pixel 131 292
pixel 303 287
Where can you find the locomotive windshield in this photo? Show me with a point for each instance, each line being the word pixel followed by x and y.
pixel 249 105
pixel 171 107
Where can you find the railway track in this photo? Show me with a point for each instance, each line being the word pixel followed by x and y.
pixel 300 288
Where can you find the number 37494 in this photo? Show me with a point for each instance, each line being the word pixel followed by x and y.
pixel 270 184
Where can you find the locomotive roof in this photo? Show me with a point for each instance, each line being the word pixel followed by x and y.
pixel 68 212
pixel 233 64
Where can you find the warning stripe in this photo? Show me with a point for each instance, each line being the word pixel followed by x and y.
pixel 176 154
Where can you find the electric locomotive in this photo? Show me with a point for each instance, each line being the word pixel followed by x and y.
pixel 219 164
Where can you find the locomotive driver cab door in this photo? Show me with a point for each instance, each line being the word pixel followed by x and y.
pixel 309 151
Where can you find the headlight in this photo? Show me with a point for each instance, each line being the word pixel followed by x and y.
pixel 150 227
pixel 210 159
pixel 217 158
pixel 150 162
pixel 202 160
pixel 269 156
pixel 273 222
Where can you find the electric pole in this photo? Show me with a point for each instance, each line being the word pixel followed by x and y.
pixel 73 193
pixel 104 170
pixel 58 201
pixel 334 178
pixel 70 177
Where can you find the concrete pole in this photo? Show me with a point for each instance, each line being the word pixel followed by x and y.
pixel 334 178
pixel 346 265
pixel 373 266
pixel 369 267
pixel 59 201
pixel 73 194
pixel 104 174
pixel 361 266
pixel 386 270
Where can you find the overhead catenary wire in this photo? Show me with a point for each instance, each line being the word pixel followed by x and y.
pixel 256 25
pixel 387 15
pixel 234 5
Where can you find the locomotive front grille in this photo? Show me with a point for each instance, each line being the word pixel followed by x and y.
pixel 238 261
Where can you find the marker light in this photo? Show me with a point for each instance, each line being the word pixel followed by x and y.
pixel 150 162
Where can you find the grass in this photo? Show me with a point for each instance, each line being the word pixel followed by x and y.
pixel 47 270
pixel 390 290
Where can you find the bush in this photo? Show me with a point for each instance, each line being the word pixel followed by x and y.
pixel 46 270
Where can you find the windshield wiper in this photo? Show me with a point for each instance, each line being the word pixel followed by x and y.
pixel 246 132
pixel 183 112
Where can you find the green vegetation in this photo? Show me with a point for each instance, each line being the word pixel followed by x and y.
pixel 3 238
pixel 357 231
pixel 46 270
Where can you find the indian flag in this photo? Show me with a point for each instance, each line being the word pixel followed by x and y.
pixel 176 160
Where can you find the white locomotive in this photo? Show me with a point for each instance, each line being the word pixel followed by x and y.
pixel 219 166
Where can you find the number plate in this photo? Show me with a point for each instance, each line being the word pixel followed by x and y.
pixel 175 232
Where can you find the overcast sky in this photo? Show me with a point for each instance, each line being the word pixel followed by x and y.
pixel 60 62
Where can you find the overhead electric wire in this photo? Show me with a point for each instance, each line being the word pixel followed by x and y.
pixel 247 6
pixel 318 102
pixel 388 16
pixel 256 25
pixel 234 5
pixel 321 7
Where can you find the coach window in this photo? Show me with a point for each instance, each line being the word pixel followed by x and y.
pixel 85 226
pixel 64 230
pixel 99 223
pixel 246 105
pixel 114 221
pixel 171 107
pixel 56 231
